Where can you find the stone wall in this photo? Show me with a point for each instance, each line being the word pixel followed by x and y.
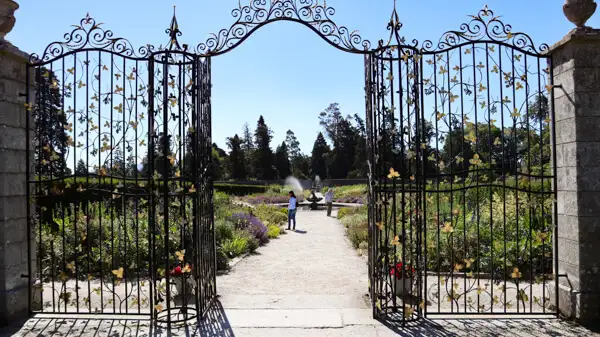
pixel 13 186
pixel 576 70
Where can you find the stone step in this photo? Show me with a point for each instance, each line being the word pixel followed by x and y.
pixel 298 318
pixel 233 301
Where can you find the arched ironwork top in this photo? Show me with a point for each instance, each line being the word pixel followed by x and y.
pixel 262 12
pixel 484 27
pixel 89 35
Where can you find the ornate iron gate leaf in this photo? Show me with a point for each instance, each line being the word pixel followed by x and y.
pixel 131 230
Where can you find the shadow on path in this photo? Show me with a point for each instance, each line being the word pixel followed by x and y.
pixel 487 327
pixel 215 324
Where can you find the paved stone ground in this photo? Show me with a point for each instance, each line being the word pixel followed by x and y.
pixel 307 283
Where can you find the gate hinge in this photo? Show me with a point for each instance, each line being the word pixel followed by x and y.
pixel 24 276
pixel 22 94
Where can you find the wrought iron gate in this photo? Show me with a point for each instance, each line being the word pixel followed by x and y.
pixel 460 174
pixel 130 231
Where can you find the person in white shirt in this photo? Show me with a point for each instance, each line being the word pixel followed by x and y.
pixel 292 210
pixel 329 200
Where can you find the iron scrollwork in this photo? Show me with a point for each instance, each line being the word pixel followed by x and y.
pixel 262 12
pixel 485 26
pixel 90 35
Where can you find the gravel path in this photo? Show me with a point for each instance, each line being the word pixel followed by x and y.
pixel 314 263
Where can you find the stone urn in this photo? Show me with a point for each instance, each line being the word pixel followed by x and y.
pixel 7 18
pixel 579 11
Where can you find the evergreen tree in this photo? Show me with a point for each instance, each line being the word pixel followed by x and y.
pixel 51 127
pixel 293 147
pixel 237 161
pixel 359 168
pixel 320 151
pixel 263 155
pixel 117 166
pixel 81 168
pixel 247 146
pixel 282 161
pixel 343 154
pixel 163 157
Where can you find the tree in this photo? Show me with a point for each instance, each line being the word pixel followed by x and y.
pixel 219 157
pixel 163 158
pixel 117 166
pixel 359 168
pixel 282 161
pixel 343 153
pixel 318 163
pixel 263 155
pixel 330 120
pixel 293 147
pixel 247 146
pixel 50 136
pixel 81 168
pixel 237 161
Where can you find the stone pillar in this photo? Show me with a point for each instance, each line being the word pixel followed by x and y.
pixel 14 226
pixel 576 67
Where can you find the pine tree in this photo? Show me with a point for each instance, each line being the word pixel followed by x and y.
pixel 163 157
pixel 343 154
pixel 237 161
pixel 247 145
pixel 359 168
pixel 81 168
pixel 263 155
pixel 51 127
pixel 318 164
pixel 282 161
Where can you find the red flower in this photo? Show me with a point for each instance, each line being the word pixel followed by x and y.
pixel 399 271
pixel 177 271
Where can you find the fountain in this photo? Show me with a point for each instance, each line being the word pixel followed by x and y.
pixel 295 185
pixel 317 185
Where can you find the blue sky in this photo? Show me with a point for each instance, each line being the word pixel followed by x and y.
pixel 284 72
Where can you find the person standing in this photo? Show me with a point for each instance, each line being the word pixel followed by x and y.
pixel 292 210
pixel 329 200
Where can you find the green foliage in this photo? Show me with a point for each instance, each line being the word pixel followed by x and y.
pixel 270 214
pixel 357 228
pixel 273 231
pixel 239 244
pixel 320 151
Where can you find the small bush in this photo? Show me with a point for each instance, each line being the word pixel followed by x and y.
pixel 222 259
pixel 357 233
pixel 273 231
pixel 223 230
pixel 237 245
pixel 251 224
pixel 270 214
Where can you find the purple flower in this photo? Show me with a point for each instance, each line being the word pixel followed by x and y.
pixel 251 224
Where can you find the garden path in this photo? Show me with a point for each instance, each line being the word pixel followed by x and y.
pixel 306 283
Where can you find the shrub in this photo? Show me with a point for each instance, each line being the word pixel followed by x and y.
pixel 357 233
pixel 251 224
pixel 223 230
pixel 273 231
pixel 270 214
pixel 343 212
pixel 358 228
pixel 237 245
pixel 222 259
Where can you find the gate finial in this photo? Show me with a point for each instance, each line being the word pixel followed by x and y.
pixel 173 32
